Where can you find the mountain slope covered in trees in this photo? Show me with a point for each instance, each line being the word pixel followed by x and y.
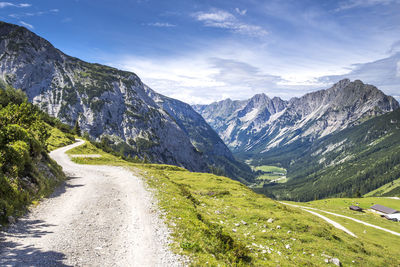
pixel 350 163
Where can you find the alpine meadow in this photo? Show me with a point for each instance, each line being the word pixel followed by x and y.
pixel 199 133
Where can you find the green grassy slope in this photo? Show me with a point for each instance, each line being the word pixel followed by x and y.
pixel 391 189
pixel 350 163
pixel 26 171
pixel 341 206
pixel 218 221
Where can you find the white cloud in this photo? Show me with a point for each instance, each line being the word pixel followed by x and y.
pixel 225 20
pixel 383 73
pixel 394 48
pixel 364 3
pixel 33 14
pixel 161 24
pixel 23 23
pixel 8 4
pixel 202 77
pixel 216 16
pixel 241 12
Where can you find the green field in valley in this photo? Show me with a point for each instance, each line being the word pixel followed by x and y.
pixel 269 174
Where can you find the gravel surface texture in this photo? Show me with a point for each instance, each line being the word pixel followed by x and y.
pixel 101 216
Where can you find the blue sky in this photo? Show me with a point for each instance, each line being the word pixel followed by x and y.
pixel 202 51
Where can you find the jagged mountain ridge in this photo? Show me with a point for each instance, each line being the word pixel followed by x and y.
pixel 107 102
pixel 260 124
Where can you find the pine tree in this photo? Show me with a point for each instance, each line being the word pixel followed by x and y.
pixel 77 129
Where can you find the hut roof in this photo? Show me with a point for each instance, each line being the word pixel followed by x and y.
pixel 383 209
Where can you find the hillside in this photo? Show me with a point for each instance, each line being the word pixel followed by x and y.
pixel 26 172
pixel 215 220
pixel 204 138
pixel 350 163
pixel 109 104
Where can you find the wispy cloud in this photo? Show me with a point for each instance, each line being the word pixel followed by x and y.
pixel 364 3
pixel 8 4
pixel 383 73
pixel 241 12
pixel 394 48
pixel 66 20
pixel 226 20
pixel 161 24
pixel 33 14
pixel 23 23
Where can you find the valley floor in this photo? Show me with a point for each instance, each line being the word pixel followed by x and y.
pixel 102 216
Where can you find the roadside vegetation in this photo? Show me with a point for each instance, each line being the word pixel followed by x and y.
pixel 26 171
pixel 218 221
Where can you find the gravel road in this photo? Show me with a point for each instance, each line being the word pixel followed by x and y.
pixel 342 216
pixel 335 224
pixel 102 216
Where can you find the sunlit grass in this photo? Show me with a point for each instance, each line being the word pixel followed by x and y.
pixel 218 221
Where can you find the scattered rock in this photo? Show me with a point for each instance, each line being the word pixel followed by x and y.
pixel 278 227
pixel 289 232
pixel 270 220
pixel 11 219
pixel 335 261
pixel 237 224
pixel 244 223
pixel 326 256
pixel 234 230
pixel 287 246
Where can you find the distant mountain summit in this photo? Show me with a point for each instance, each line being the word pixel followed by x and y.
pixel 260 123
pixel 110 103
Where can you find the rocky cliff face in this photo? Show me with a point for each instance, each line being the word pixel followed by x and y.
pixel 106 102
pixel 260 123
pixel 204 138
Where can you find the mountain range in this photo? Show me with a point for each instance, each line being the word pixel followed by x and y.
pixel 310 136
pixel 338 142
pixel 112 104
pixel 260 123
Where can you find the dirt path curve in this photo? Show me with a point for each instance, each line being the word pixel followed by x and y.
pixel 346 217
pixel 335 224
pixel 356 220
pixel 102 216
